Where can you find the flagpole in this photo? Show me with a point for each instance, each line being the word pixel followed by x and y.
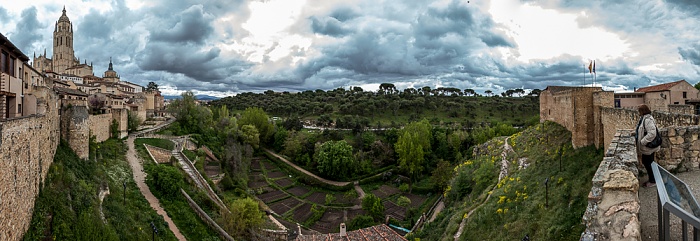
pixel 584 75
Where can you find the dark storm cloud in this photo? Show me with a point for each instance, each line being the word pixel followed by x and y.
pixel 97 25
pixel 193 25
pixel 328 26
pixel 190 60
pixel 691 54
pixel 28 30
pixel 343 14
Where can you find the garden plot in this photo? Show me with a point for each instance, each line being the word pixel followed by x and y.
pixel 272 196
pixel 276 174
pixel 285 205
pixel 385 191
pixel 416 200
pixel 354 213
pixel 340 198
pixel 267 165
pixel 298 191
pixel 255 165
pixel 284 182
pixel 394 210
pixel 317 197
pixel 330 221
pixel 302 213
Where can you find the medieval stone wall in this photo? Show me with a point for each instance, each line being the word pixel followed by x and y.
pixel 99 126
pixel 680 148
pixel 613 203
pixel 75 129
pixel 616 119
pixel 578 109
pixel 681 109
pixel 122 117
pixel 27 148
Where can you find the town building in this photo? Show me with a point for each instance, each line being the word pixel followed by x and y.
pixel 663 97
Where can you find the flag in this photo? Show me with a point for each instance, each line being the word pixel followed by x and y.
pixel 593 66
pixel 590 64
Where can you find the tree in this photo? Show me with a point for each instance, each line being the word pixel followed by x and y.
pixel 361 221
pixel 250 135
pixel 166 179
pixel 412 146
pixel 152 86
pixel 488 92
pixel 442 175
pixel 373 205
pixel 335 159
pixel 96 104
pixel 133 121
pixel 257 117
pixel 536 92
pixel 245 217
pixel 403 201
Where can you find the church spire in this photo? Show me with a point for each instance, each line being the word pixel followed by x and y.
pixel 110 64
pixel 64 10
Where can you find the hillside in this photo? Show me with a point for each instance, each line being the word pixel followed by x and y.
pixel 347 108
pixel 69 206
pixel 518 205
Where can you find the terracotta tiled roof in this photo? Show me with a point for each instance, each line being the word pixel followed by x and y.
pixel 379 232
pixel 661 87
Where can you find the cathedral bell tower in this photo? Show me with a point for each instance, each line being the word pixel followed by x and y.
pixel 63 54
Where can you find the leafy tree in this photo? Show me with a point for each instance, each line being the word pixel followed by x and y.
pixel 193 118
pixel 413 145
pixel 294 144
pixel 536 92
pixel 442 175
pixel 244 218
pixel 133 121
pixel 166 179
pixel 329 198
pixel 250 135
pixel 152 86
pixel 373 205
pixel 403 201
pixel 488 92
pixel 279 138
pixel 335 159
pixel 257 117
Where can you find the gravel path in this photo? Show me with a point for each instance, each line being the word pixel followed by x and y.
pixel 140 179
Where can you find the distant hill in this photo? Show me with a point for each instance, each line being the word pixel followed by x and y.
pixel 199 97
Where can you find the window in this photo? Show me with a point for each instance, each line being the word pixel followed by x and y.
pixel 12 67
pixel 3 62
pixel 685 95
pixel 675 103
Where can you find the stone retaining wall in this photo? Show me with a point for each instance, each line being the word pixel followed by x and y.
pixel 159 155
pixel 206 217
pixel 613 203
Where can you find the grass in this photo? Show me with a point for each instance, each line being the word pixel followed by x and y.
pixel 518 205
pixel 67 208
pixel 162 143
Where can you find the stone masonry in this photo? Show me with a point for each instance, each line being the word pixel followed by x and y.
pixel 99 126
pixel 613 203
pixel 27 148
pixel 75 129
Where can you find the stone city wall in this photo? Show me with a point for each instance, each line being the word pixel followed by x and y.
pixel 681 109
pixel 614 119
pixel 680 148
pixel 27 148
pixel 75 129
pixel 99 126
pixel 613 202
pixel 578 109
pixel 122 117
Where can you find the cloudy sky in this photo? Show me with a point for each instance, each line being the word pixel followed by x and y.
pixel 223 47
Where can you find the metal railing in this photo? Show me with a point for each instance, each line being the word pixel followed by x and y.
pixel 674 196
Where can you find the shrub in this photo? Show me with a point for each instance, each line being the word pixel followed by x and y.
pixel 403 201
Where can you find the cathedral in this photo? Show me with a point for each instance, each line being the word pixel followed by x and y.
pixel 63 60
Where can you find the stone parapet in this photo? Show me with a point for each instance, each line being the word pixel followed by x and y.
pixel 680 150
pixel 613 202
